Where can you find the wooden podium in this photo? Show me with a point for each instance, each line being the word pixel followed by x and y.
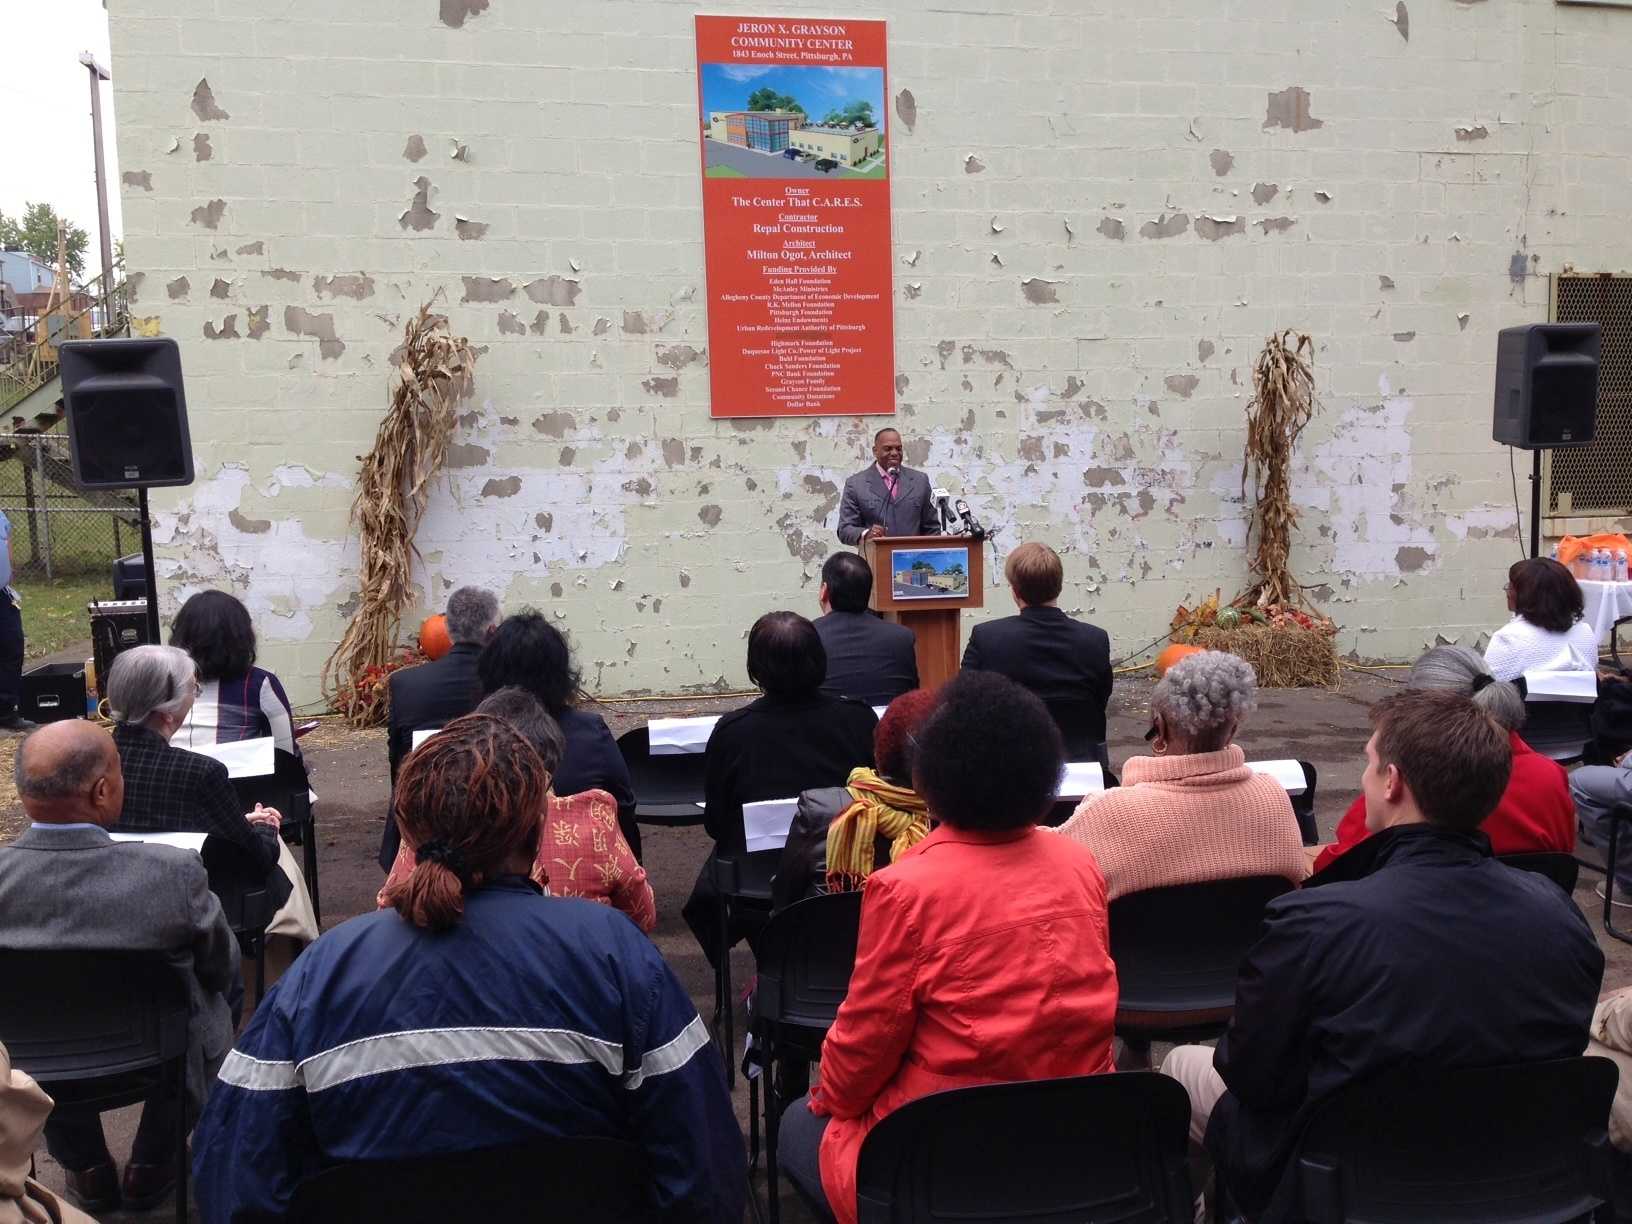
pixel 923 582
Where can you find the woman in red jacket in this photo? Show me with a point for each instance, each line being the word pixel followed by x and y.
pixel 983 954
pixel 1536 813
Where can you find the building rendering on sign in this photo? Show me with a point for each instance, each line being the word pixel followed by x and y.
pixel 774 131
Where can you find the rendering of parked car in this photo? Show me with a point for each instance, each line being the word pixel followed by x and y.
pixel 826 164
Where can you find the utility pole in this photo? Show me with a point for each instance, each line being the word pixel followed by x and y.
pixel 98 75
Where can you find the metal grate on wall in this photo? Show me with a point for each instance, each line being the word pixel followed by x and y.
pixel 1597 478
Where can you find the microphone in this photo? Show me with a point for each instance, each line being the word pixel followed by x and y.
pixel 971 525
pixel 943 503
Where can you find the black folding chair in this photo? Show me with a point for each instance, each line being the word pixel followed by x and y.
pixel 1561 869
pixel 1178 951
pixel 1087 1150
pixel 99 1031
pixel 1558 729
pixel 1615 640
pixel 1521 1144
pixel 289 789
pixel 805 955
pixel 248 912
pixel 1303 806
pixel 743 882
pixel 1617 819
pixel 586 1181
pixel 668 788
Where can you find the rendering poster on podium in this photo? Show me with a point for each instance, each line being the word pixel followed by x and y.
pixel 924 582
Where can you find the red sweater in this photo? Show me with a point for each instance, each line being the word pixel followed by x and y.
pixel 1535 813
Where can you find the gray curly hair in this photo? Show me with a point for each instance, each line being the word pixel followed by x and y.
pixel 1456 669
pixel 1202 693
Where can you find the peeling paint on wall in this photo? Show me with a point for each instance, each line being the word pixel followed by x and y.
pixel 301 322
pixel 177 289
pixel 487 289
pixel 668 387
pixel 973 164
pixel 1402 20
pixel 415 149
pixel 1221 160
pixel 1112 228
pixel 419 215
pixel 1214 228
pixel 553 290
pixel 455 12
pixel 1263 193
pixel 227 331
pixel 1165 226
pixel 710 515
pixel 355 286
pixel 1040 292
pixel 209 215
pixel 260 322
pixel 469 231
pixel 508 486
pixel 1475 132
pixel 141 179
pixel 204 103
pixel 1182 385
pixel 1275 225
pixel 220 288
pixel 201 147
pixel 1289 108
pixel 906 109
pixel 509 325
pixel 554 424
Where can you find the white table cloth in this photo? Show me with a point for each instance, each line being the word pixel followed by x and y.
pixel 1606 603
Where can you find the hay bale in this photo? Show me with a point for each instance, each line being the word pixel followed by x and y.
pixel 1283 657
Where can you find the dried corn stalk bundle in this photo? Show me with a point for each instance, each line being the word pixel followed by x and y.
pixel 1283 401
pixel 434 372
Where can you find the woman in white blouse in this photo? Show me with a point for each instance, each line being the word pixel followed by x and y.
pixel 1546 632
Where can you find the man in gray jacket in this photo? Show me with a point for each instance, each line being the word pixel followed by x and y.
pixel 66 886
pixel 886 498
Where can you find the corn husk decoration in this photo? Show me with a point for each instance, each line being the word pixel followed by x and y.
pixel 434 372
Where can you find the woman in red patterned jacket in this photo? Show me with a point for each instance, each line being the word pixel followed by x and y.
pixel 581 851
pixel 983 954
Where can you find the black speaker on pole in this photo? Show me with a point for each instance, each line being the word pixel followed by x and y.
pixel 127 426
pixel 127 413
pixel 1546 385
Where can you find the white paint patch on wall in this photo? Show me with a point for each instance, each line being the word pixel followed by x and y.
pixel 282 574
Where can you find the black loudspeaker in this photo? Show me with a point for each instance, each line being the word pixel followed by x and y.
pixel 1546 385
pixel 127 414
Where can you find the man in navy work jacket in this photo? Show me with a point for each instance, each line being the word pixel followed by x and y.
pixel 1440 957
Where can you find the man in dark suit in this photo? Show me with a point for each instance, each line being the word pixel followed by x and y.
pixel 886 498
pixel 430 696
pixel 1065 662
pixel 65 885
pixel 867 658
pixel 1437 956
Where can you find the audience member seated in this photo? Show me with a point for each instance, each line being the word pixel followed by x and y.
pixel 66 886
pixel 842 834
pixel 473 1014
pixel 868 658
pixel 24 1108
pixel 792 739
pixel 171 790
pixel 983 953
pixel 1612 1039
pixel 236 699
pixel 1440 956
pixel 1194 811
pixel 1065 662
pixel 581 853
pixel 1597 791
pixel 432 695
pixel 528 652
pixel 1547 632
pixel 1534 813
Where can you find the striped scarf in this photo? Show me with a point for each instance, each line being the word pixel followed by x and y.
pixel 880 809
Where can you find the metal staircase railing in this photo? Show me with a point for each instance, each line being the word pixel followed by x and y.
pixel 108 314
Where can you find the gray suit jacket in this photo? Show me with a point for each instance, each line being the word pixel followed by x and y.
pixel 865 503
pixel 78 889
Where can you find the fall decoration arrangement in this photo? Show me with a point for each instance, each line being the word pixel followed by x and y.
pixel 434 372
pixel 1271 624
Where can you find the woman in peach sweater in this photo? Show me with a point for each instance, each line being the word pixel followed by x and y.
pixel 1193 811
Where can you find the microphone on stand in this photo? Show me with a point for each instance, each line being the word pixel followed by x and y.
pixel 971 525
pixel 943 504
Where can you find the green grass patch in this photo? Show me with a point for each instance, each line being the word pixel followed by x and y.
pixel 724 172
pixel 54 612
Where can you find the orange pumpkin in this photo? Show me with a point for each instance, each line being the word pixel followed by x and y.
pixel 433 637
pixel 1172 655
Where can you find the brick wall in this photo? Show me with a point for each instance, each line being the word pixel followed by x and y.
pixel 1100 213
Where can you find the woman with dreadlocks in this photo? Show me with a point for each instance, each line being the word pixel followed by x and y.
pixel 473 1013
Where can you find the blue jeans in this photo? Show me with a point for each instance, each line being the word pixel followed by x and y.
pixel 798 1151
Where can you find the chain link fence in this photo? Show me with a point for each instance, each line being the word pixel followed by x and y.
pixel 57 530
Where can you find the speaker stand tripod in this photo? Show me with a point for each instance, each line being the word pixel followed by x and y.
pixel 147 567
pixel 1535 503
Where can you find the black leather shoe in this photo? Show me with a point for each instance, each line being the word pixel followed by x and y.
pixel 17 723
pixel 148 1185
pixel 95 1189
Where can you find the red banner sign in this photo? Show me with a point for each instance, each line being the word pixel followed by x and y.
pixel 796 216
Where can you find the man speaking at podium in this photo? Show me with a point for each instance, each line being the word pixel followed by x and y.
pixel 886 498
